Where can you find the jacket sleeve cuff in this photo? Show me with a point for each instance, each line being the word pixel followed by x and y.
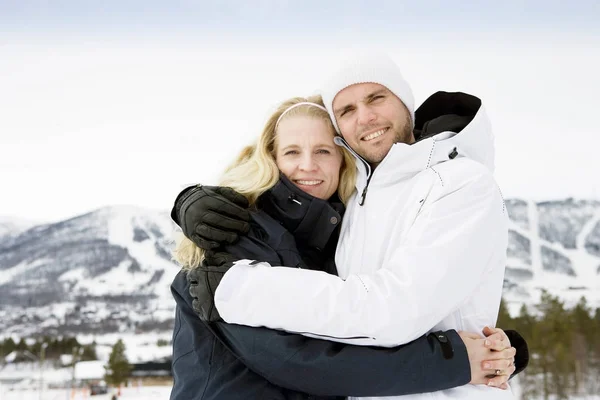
pixel 522 357
pixel 450 360
pixel 177 205
pixel 460 358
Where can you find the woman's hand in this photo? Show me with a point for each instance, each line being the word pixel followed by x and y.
pixel 491 358
pixel 204 281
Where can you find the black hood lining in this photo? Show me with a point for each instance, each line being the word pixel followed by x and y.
pixel 445 111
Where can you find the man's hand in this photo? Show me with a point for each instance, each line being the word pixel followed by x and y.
pixel 491 358
pixel 204 281
pixel 211 216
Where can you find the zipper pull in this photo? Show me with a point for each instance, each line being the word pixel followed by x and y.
pixel 293 198
pixel 363 196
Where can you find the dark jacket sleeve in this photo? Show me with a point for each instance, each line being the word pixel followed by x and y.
pixel 522 358
pixel 326 368
pixel 202 369
pixel 191 343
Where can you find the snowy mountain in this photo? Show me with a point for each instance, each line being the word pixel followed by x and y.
pixel 553 245
pixel 110 270
pixel 12 226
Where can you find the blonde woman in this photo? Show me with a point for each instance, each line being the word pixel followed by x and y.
pixel 295 180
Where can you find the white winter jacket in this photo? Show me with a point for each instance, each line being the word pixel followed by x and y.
pixel 425 252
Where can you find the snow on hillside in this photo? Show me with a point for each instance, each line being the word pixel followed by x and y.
pixel 107 270
pixel 552 247
pixel 110 270
pixel 10 226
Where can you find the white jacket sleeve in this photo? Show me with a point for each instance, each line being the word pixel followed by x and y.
pixel 449 248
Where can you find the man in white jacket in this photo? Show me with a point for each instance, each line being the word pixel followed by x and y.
pixel 423 242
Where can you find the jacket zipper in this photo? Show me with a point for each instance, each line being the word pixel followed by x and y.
pixel 340 141
pixel 363 196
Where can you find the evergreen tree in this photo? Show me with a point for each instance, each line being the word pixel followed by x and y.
pixel 529 379
pixel 53 348
pixel 505 321
pixel 9 346
pixel 583 332
pixel 36 347
pixel 118 368
pixel 553 336
pixel 596 336
pixel 89 353
pixel 21 346
pixel 525 323
pixel 593 383
pixel 68 343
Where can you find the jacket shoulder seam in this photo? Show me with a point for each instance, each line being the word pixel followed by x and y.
pixel 457 167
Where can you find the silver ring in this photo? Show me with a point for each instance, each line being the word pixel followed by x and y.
pixel 498 372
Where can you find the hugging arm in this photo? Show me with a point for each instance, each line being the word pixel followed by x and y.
pixel 327 368
pixel 398 302
pixel 212 201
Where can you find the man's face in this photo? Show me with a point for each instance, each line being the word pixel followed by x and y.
pixel 372 119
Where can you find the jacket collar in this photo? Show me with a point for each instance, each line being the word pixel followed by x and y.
pixel 443 123
pixel 312 221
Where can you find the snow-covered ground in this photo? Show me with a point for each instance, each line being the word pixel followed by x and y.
pixel 134 393
pixel 139 348
pixel 137 393
pixel 28 388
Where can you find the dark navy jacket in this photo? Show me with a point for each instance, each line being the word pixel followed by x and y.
pixel 228 361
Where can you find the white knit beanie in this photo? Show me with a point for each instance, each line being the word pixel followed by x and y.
pixel 367 68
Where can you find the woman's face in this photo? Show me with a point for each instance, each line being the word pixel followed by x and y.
pixel 306 155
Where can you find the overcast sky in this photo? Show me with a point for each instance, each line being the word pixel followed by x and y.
pixel 126 102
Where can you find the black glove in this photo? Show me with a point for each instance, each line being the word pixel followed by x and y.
pixel 211 216
pixel 522 357
pixel 204 281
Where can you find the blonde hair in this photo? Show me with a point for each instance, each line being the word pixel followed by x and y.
pixel 254 171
